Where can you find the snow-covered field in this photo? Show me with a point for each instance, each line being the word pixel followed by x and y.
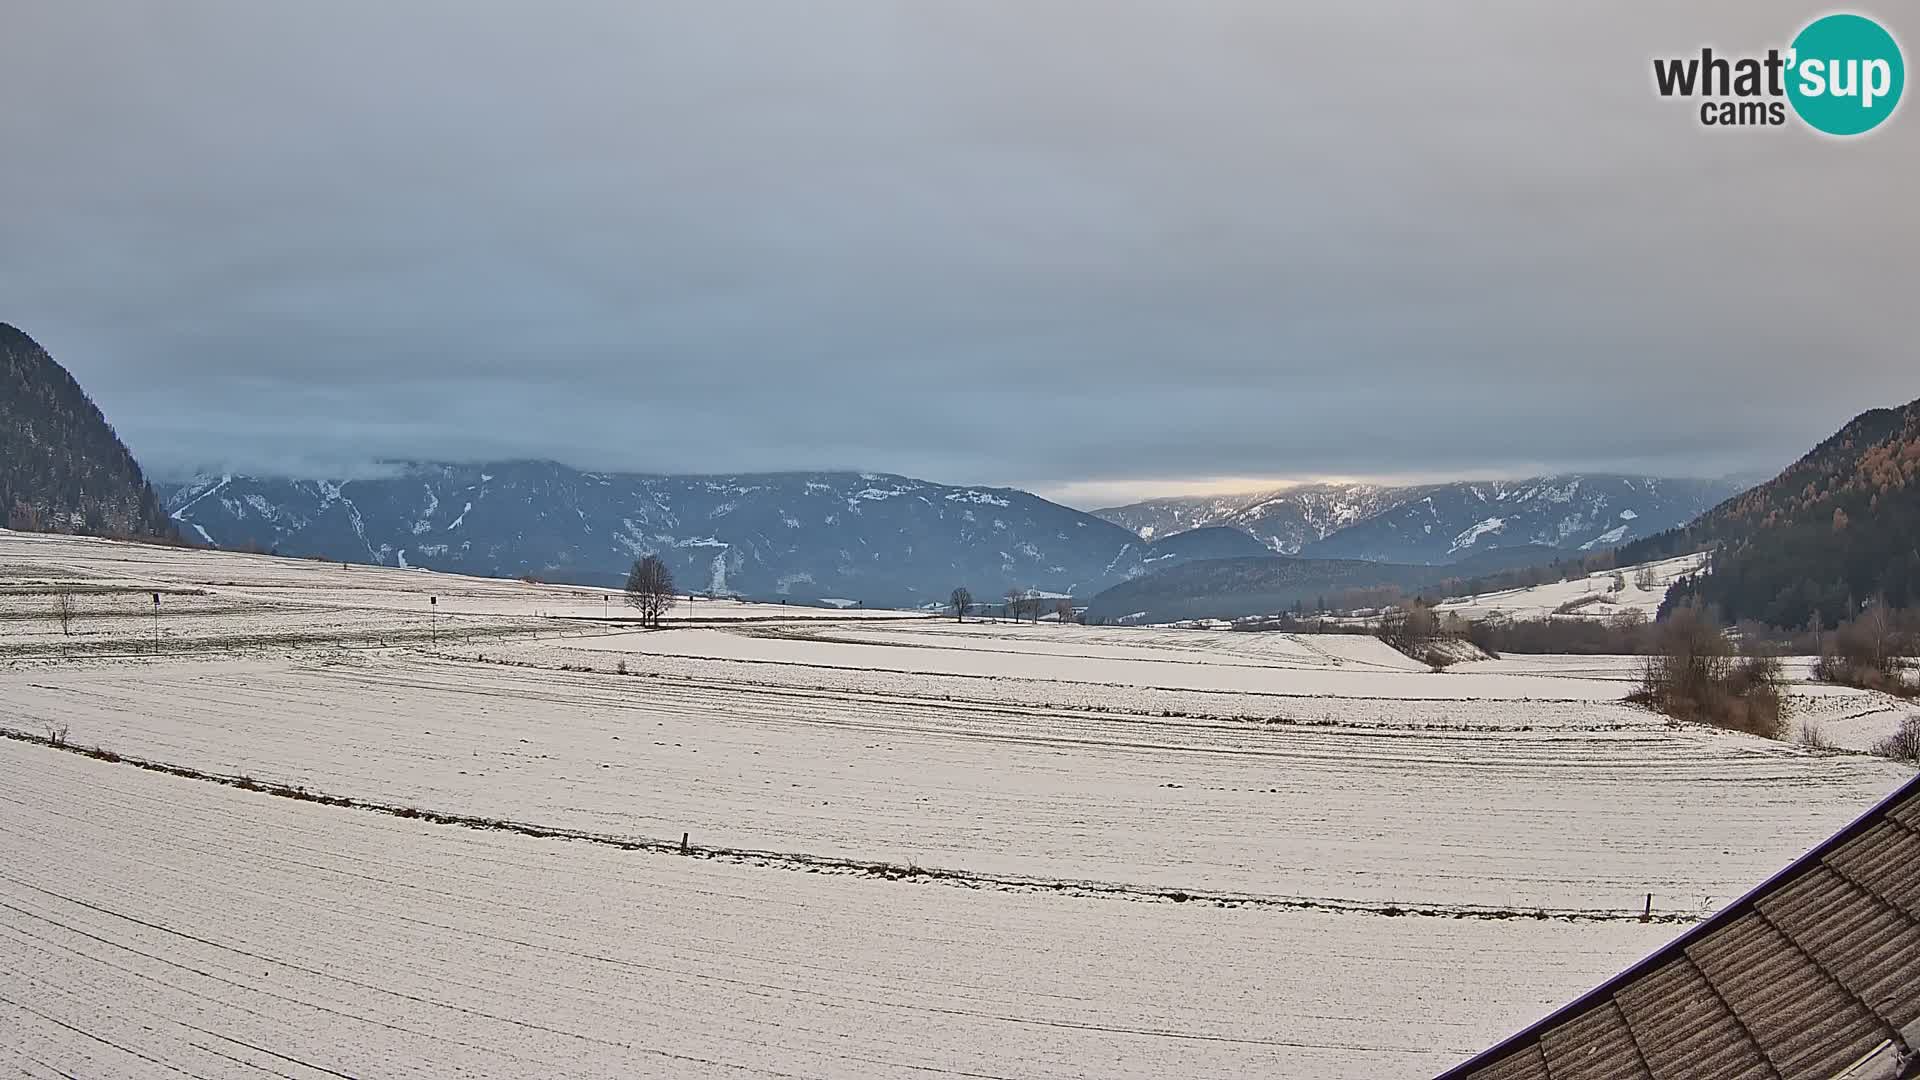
pixel 219 601
pixel 1848 718
pixel 1304 665
pixel 177 927
pixel 1590 597
pixel 915 847
pixel 1586 820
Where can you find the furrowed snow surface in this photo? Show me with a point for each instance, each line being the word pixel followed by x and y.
pixel 220 932
pixel 916 847
pixel 1567 820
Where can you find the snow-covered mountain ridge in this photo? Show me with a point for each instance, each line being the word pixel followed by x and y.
pixel 1434 523
pixel 877 538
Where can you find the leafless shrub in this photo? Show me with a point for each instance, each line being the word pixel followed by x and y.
pixel 1868 652
pixel 1813 737
pixel 1624 633
pixel 1628 621
pixel 57 736
pixel 1025 603
pixel 1410 629
pixel 1837 669
pixel 1694 675
pixel 620 668
pixel 1903 744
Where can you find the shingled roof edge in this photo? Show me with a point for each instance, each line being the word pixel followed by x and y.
pixel 1599 995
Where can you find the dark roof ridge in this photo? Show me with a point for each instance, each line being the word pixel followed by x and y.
pixel 1602 994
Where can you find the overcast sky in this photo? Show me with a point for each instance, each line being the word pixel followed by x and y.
pixel 1096 249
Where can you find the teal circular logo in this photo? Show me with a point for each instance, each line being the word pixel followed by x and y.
pixel 1846 74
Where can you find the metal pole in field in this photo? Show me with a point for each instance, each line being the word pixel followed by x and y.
pixel 433 626
pixel 156 624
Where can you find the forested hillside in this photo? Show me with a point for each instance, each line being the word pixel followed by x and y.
pixel 62 468
pixel 1837 528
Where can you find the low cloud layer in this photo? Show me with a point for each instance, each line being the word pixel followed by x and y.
pixel 1071 246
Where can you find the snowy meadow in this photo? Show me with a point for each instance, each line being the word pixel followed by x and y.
pixel 314 820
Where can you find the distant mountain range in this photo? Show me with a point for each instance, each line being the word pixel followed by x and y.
pixel 1438 523
pixel 876 538
pixel 1833 532
pixel 872 537
pixel 62 468
pixel 880 538
pixel 1285 521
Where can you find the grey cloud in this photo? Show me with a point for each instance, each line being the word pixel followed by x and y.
pixel 1042 243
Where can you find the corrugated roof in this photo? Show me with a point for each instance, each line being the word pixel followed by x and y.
pixel 1807 976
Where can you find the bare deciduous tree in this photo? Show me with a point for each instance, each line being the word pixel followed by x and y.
pixel 1646 580
pixel 64 608
pixel 1903 744
pixel 1410 628
pixel 1876 627
pixel 1063 609
pixel 960 601
pixel 1696 674
pixel 650 589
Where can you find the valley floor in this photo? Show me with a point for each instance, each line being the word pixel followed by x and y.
pixel 911 848
pixel 179 927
